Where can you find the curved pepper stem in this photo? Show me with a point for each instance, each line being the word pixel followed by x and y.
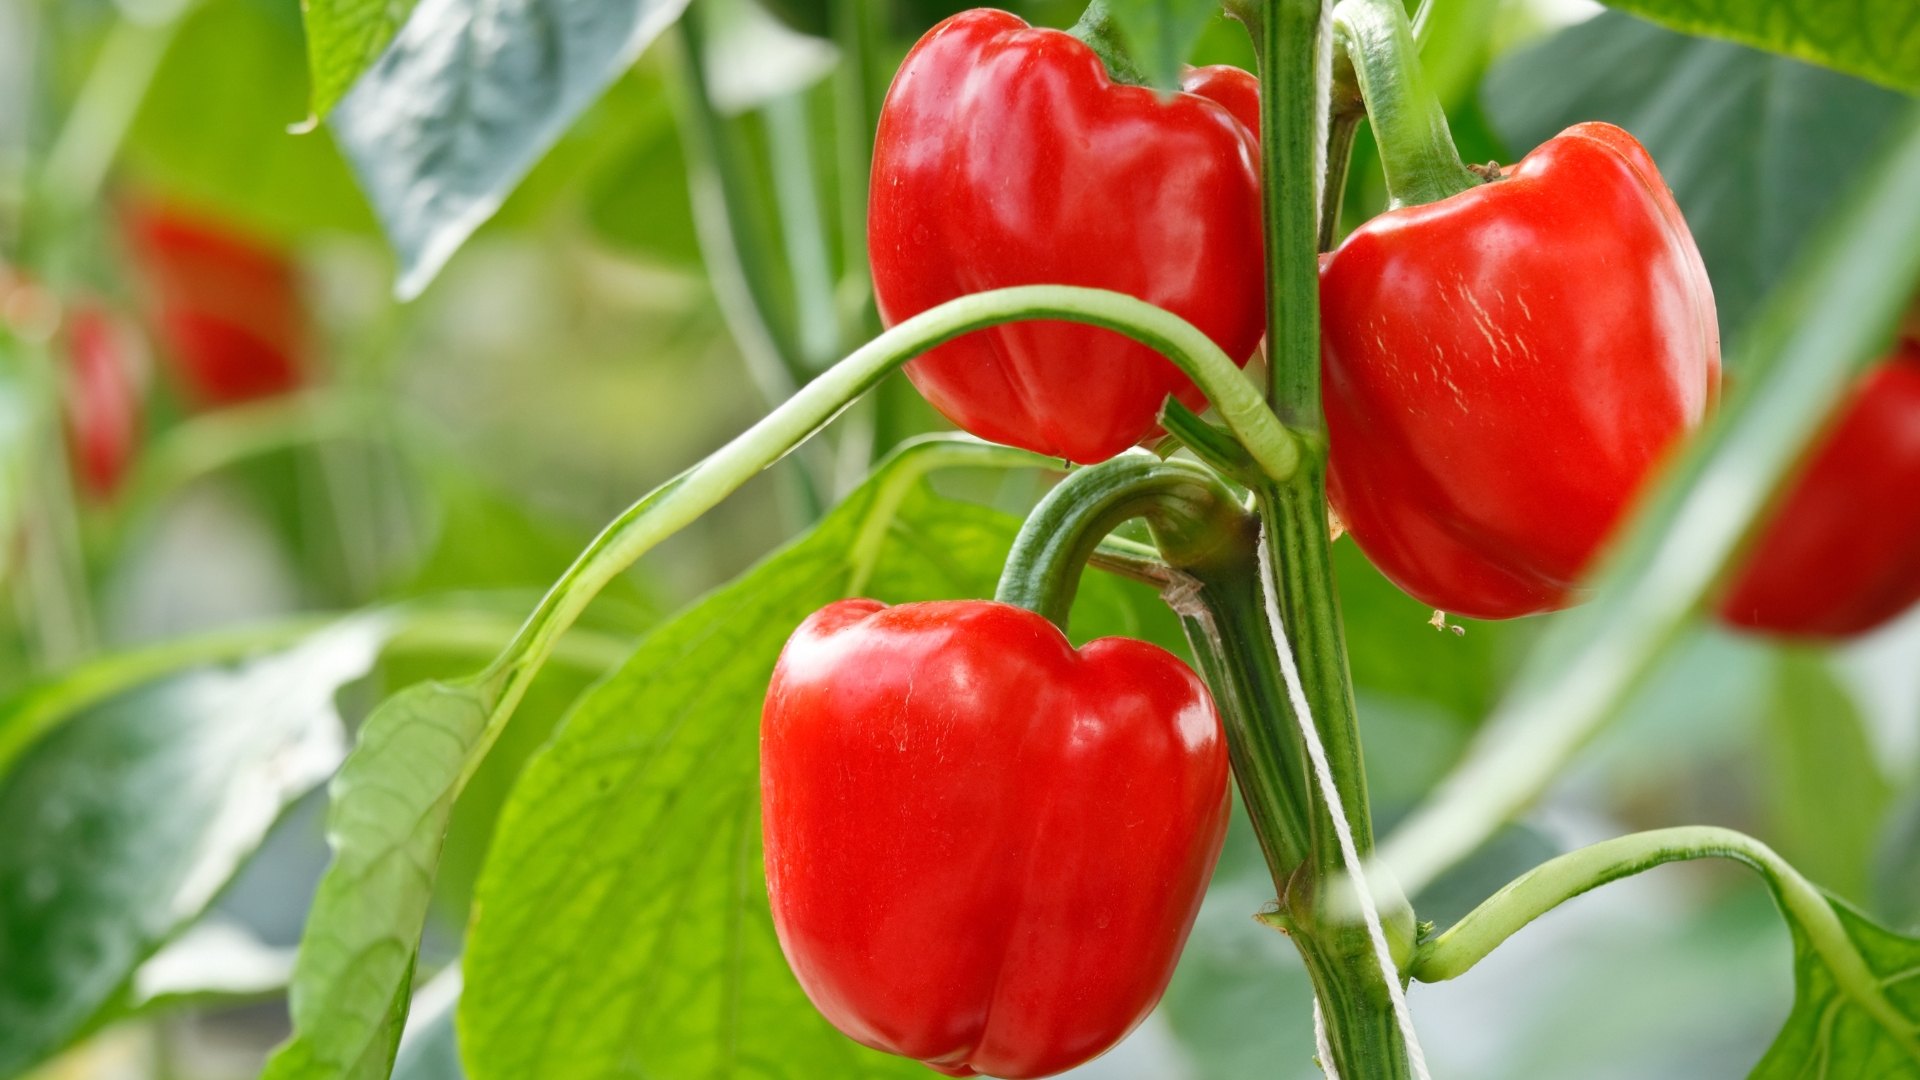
pixel 1188 508
pixel 1416 147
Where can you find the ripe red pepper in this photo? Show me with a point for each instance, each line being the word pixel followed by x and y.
pixel 104 361
pixel 228 306
pixel 1006 156
pixel 1501 369
pixel 1842 554
pixel 985 849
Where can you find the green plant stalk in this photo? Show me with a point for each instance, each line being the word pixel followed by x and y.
pixel 1362 1030
pixel 1188 508
pixel 1832 317
pixel 1416 148
pixel 679 501
pixel 1553 883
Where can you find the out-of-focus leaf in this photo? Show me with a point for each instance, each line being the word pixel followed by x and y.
pixel 1757 148
pixel 640 202
pixel 212 129
pixel 1240 1002
pixel 1874 39
pixel 621 919
pixel 126 820
pixel 1896 877
pixel 215 960
pixel 1453 48
pixel 1833 316
pixel 1826 792
pixel 1162 34
pixel 344 38
pixel 1395 650
pixel 467 98
pixel 753 58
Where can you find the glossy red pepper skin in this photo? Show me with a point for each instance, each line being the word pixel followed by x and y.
pixel 985 849
pixel 227 306
pixel 1502 369
pixel 1841 555
pixel 104 358
pixel 1005 157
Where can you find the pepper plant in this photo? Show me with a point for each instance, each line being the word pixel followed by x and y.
pixel 1506 386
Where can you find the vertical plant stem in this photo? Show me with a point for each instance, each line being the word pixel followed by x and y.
pixel 1362 1031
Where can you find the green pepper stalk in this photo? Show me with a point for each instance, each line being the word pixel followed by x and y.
pixel 1363 1013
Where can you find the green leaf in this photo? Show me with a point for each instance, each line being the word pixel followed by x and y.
pixel 1162 34
pixel 124 821
pixel 1826 791
pixel 388 815
pixel 1828 1034
pixel 1874 39
pixel 1834 315
pixel 1757 148
pixel 622 922
pixel 344 38
pixel 467 98
pixel 1395 650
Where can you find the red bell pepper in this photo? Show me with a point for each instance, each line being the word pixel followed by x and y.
pixel 984 849
pixel 1502 368
pixel 227 306
pixel 105 357
pixel 1006 156
pixel 1841 555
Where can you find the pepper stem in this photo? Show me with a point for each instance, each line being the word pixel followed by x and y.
pixel 1416 147
pixel 1185 505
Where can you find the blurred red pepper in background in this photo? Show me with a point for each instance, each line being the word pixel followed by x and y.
pixel 105 361
pixel 1842 553
pixel 227 306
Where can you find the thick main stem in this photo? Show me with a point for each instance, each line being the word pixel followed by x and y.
pixel 1363 1033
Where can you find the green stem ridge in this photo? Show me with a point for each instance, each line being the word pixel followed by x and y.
pixel 1185 505
pixel 1551 884
pixel 676 503
pixel 1416 148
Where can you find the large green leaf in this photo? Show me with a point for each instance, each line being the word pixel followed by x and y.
pixel 467 98
pixel 1874 39
pixel 344 38
pixel 621 920
pixel 1757 148
pixel 1827 795
pixel 1829 1035
pixel 212 128
pixel 131 813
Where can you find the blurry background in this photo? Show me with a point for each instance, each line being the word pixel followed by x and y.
pixel 590 342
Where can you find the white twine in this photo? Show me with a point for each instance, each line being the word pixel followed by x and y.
pixel 1320 1047
pixel 1349 853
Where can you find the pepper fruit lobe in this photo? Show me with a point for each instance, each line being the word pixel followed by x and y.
pixel 1006 156
pixel 985 848
pixel 1502 369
